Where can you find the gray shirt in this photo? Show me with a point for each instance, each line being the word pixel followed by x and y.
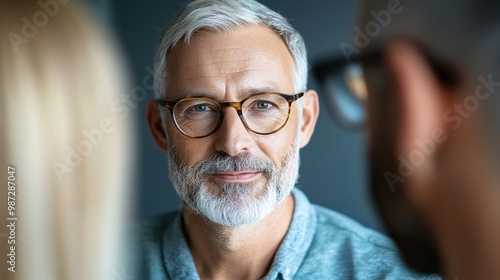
pixel 320 244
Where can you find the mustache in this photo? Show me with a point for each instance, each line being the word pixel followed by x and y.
pixel 223 163
pixel 220 163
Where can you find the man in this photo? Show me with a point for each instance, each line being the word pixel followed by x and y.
pixel 232 113
pixel 430 78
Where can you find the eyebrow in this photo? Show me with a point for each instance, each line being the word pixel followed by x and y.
pixel 253 91
pixel 241 94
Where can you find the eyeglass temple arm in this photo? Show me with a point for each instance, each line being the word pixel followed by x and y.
pixel 168 105
pixel 292 98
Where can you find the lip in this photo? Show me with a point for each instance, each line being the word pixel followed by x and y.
pixel 246 175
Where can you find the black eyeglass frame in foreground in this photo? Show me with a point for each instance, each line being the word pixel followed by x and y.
pixel 325 69
pixel 334 67
pixel 222 105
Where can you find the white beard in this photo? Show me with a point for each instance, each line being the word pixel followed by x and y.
pixel 234 204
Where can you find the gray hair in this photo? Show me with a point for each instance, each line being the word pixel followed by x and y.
pixel 224 16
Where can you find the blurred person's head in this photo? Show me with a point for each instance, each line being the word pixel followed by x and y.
pixel 433 81
pixel 59 76
pixel 424 76
pixel 232 167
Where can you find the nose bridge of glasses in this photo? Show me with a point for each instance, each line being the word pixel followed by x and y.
pixel 235 105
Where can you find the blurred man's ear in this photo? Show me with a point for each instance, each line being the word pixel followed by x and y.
pixel 423 101
pixel 153 117
pixel 310 114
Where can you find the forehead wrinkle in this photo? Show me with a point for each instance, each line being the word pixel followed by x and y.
pixel 237 54
pixel 233 72
pixel 227 67
pixel 223 61
pixel 238 48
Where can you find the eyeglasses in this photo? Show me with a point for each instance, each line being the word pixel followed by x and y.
pixel 345 89
pixel 345 83
pixel 263 113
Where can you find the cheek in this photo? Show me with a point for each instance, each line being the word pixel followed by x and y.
pixel 189 150
pixel 191 153
pixel 277 145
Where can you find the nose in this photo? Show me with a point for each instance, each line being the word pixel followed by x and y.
pixel 232 137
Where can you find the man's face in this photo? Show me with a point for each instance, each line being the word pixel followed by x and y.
pixel 233 176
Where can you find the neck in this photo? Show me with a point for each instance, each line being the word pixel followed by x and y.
pixel 243 252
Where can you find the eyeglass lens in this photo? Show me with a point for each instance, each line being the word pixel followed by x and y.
pixel 263 113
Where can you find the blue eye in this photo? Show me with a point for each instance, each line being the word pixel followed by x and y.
pixel 263 105
pixel 201 108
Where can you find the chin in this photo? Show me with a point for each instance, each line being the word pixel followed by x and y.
pixel 236 205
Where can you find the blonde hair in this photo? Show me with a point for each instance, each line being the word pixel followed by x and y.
pixel 70 152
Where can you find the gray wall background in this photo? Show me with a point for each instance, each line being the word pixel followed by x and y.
pixel 333 170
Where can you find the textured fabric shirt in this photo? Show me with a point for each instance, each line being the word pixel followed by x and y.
pixel 319 244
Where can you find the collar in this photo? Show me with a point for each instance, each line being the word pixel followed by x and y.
pixel 298 239
pixel 290 255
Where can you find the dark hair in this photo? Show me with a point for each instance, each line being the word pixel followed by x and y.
pixel 464 34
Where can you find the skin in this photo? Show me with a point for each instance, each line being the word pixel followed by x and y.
pixel 456 188
pixel 227 67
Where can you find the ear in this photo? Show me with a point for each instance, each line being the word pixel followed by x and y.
pixel 423 101
pixel 310 112
pixel 153 117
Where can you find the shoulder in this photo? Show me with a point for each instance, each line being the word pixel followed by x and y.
pixel 344 247
pixel 152 229
pixel 149 237
pixel 150 233
pixel 338 226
